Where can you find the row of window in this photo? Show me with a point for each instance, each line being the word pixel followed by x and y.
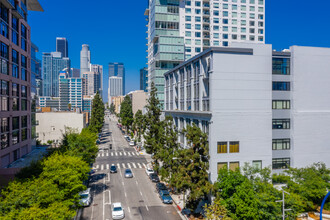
pixel 223 147
pixel 4 89
pixel 225 13
pixel 17 104
pixel 260 2
pixel 17 135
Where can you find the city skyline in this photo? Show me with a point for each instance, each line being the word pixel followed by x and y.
pixel 109 47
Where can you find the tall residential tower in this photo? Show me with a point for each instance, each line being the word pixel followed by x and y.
pixel 180 29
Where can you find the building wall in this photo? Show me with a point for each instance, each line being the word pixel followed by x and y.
pixel 51 125
pixel 310 105
pixel 139 100
pixel 117 102
pixel 118 69
pixel 85 59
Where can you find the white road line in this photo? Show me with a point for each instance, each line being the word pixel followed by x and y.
pixel 129 210
pixel 123 165
pixel 144 165
pixel 109 196
pixel 125 195
pixel 97 166
pixel 103 196
pixel 116 153
pixel 98 155
pixel 124 153
pixel 129 165
pixel 139 165
pixel 107 154
pixel 118 165
pixel 111 153
pixel 102 154
pixel 119 153
pixel 107 166
pixel 101 166
pixel 147 208
pixel 136 182
pixel 108 177
pixel 141 193
pixel 134 165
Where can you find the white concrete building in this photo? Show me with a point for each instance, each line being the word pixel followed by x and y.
pixel 51 125
pixel 139 100
pixel 115 87
pixel 181 29
pixel 258 106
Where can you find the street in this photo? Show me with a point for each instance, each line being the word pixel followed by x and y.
pixel 138 195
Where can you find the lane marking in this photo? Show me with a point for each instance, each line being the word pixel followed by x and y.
pixel 116 153
pixel 102 154
pixel 97 166
pixel 134 165
pixel 111 153
pixel 119 153
pixel 129 165
pixel 107 166
pixel 139 165
pixel 129 210
pixel 141 193
pixel 118 165
pixel 124 153
pixel 103 196
pixel 136 182
pixel 107 154
pixel 123 165
pixel 125 195
pixel 108 177
pixel 101 166
pixel 144 165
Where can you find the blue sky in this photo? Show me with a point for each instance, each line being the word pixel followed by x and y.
pixel 116 31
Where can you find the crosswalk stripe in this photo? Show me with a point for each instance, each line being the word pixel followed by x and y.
pixel 129 165
pixel 101 166
pixel 124 153
pixel 107 166
pixel 102 154
pixel 139 165
pixel 123 165
pixel 144 165
pixel 97 166
pixel 107 154
pixel 116 153
pixel 98 155
pixel 128 154
pixel 119 153
pixel 134 165
pixel 118 165
pixel 111 153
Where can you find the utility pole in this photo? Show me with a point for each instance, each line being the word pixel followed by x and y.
pixel 283 204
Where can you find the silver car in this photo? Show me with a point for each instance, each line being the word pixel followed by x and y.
pixel 85 197
pixel 128 173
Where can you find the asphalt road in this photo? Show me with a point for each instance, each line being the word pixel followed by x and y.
pixel 138 195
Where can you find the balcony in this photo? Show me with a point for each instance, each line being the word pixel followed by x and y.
pixel 206 5
pixel 206 20
pixel 8 3
pixel 207 36
pixel 206 28
pixel 206 13
pixel 23 6
pixel 206 43
pixel 19 12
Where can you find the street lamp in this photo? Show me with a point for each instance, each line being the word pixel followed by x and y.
pixel 283 204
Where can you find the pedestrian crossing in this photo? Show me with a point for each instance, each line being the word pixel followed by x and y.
pixel 131 165
pixel 118 153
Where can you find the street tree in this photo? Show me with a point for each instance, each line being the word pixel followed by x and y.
pixel 126 113
pixel 138 124
pixel 97 116
pixel 112 108
pixel 216 211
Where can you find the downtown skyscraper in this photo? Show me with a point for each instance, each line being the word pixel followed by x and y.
pixel 118 69
pixel 62 46
pixel 179 30
pixel 85 59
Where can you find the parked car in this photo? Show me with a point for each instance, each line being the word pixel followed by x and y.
pixel 186 212
pixel 131 143
pixel 149 170
pixel 160 186
pixel 125 136
pixel 85 197
pixel 117 211
pixel 165 197
pixel 128 173
pixel 113 169
pixel 98 141
pixel 154 177
pixel 128 139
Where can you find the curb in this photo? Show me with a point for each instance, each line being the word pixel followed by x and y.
pixel 178 208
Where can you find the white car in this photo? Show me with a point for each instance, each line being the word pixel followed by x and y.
pixel 149 171
pixel 117 211
pixel 85 197
pixel 131 143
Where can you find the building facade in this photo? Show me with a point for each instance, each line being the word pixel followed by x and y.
pixel 267 111
pixel 144 79
pixel 62 46
pixel 118 69
pixel 139 100
pixel 178 30
pixel 35 92
pixel 116 101
pixel 71 90
pixel 91 83
pixel 49 102
pixel 52 64
pixel 15 77
pixel 75 73
pixel 85 59
pixel 98 69
pixel 115 87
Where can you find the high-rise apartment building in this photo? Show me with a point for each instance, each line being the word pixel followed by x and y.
pixel 85 59
pixel 15 78
pixel 118 69
pixel 178 30
pixel 115 87
pixel 144 79
pixel 62 46
pixel 70 92
pixel 52 64
pixel 98 70
pixel 269 111
pixel 91 83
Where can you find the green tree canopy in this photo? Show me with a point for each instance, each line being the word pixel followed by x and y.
pixel 126 113
pixel 97 116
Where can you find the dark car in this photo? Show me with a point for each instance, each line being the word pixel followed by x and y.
pixel 113 169
pixel 165 197
pixel 186 212
pixel 154 177
pixel 160 186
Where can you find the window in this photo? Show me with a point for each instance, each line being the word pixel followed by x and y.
pixel 225 43
pixel 188 41
pixel 281 66
pixel 15 123
pixel 257 164
pixel 198 42
pixel 281 144
pixel 197 26
pixel 281 123
pixel 281 104
pixel 243 30
pixel 197 11
pixel 188 18
pixel 197 49
pixel 234 147
pixel 197 19
pixel 24 134
pixel 234 7
pixel 281 163
pixel 197 34
pixel 222 148
pixel 188 3
pixel 15 89
pixel 222 166
pixel 15 104
pixel 188 49
pixel 225 28
pixel 24 121
pixel 215 28
pixel 281 86
pixel 216 20
pixel 188 33
pixel 225 14
pixel 198 4
pixel 234 14
pixel 216 5
pixel 216 35
pixel 4 88
pixel 15 137
pixel 234 29
pixel 225 21
pixel 216 13
pixel 4 141
pixel 188 10
pixel 188 26
pixel 233 166
pixel 24 105
pixel 15 56
pixel 225 6
pixel 4 104
pixel 216 43
pixel 225 36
